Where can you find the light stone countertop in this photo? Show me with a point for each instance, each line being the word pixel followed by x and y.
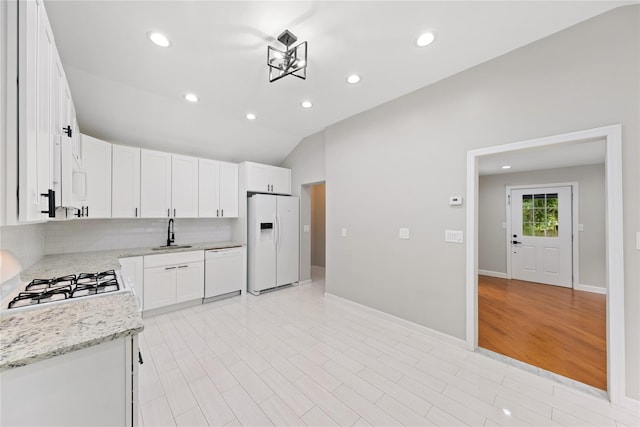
pixel 90 262
pixel 28 336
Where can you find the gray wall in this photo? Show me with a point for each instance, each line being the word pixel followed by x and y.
pixel 395 166
pixel 307 161
pixel 318 228
pixel 492 253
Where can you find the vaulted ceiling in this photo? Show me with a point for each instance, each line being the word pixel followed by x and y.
pixel 129 91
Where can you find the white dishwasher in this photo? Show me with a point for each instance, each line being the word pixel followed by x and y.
pixel 222 272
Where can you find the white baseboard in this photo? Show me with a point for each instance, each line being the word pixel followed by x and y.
pixel 492 274
pixel 420 328
pixel 589 288
pixel 304 282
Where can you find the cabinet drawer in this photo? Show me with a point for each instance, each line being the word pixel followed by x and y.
pixel 173 258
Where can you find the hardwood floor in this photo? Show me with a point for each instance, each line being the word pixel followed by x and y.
pixel 554 328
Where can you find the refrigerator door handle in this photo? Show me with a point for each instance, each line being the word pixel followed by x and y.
pixel 279 235
pixel 275 232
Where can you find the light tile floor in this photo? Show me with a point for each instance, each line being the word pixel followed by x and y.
pixel 293 357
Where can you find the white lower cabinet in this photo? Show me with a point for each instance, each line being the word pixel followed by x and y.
pixel 94 386
pixel 173 278
pixel 190 281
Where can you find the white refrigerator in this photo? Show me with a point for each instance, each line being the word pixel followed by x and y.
pixel 272 242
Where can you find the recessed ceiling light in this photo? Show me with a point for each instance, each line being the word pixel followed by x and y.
pixel 353 79
pixel 251 116
pixel 159 39
pixel 191 97
pixel 506 167
pixel 306 104
pixel 425 39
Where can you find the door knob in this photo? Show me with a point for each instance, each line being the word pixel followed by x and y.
pixel 515 242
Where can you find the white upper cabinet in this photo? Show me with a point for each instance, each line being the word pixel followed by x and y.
pixel 267 179
pixel 35 64
pixel 228 190
pixel 125 182
pixel 96 158
pixel 46 119
pixel 184 186
pixel 155 184
pixel 218 192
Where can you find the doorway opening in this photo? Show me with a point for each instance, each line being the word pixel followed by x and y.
pixel 312 233
pixel 613 276
pixel 318 231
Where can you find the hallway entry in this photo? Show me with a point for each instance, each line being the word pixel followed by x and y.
pixel 318 225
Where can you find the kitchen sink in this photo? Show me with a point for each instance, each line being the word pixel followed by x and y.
pixel 162 248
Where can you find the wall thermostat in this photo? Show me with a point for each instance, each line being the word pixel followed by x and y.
pixel 455 200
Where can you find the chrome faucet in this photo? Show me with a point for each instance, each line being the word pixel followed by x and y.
pixel 171 235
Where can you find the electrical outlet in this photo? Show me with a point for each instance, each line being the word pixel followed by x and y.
pixel 454 236
pixel 344 232
pixel 403 233
pixel 306 228
pixel 580 227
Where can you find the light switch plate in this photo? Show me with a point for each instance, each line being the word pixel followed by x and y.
pixel 454 236
pixel 504 225
pixel 580 227
pixel 344 232
pixel 403 233
pixel 306 228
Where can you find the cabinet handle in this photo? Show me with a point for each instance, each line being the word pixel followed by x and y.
pixel 136 212
pixel 267 187
pixel 51 196
pixel 87 212
pixel 222 212
pixel 182 266
pixel 169 268
pixel 168 213
pixel 174 211
pixel 217 212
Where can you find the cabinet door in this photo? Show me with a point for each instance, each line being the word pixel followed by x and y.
pixel 96 159
pixel 160 287
pixel 280 179
pixel 190 281
pixel 155 184
pixel 184 186
pixel 228 190
pixel 125 182
pixel 258 178
pixel 208 188
pixel 44 102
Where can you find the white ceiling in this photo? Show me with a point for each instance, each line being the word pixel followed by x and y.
pixel 550 157
pixel 127 90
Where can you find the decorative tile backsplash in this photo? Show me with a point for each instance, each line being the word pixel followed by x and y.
pixel 99 234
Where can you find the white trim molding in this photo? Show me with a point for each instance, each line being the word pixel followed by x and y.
pixel 450 339
pixel 490 273
pixel 614 244
pixel 593 289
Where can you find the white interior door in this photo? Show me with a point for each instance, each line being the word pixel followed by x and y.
pixel 541 235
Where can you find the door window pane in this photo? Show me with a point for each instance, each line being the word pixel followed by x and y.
pixel 540 215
